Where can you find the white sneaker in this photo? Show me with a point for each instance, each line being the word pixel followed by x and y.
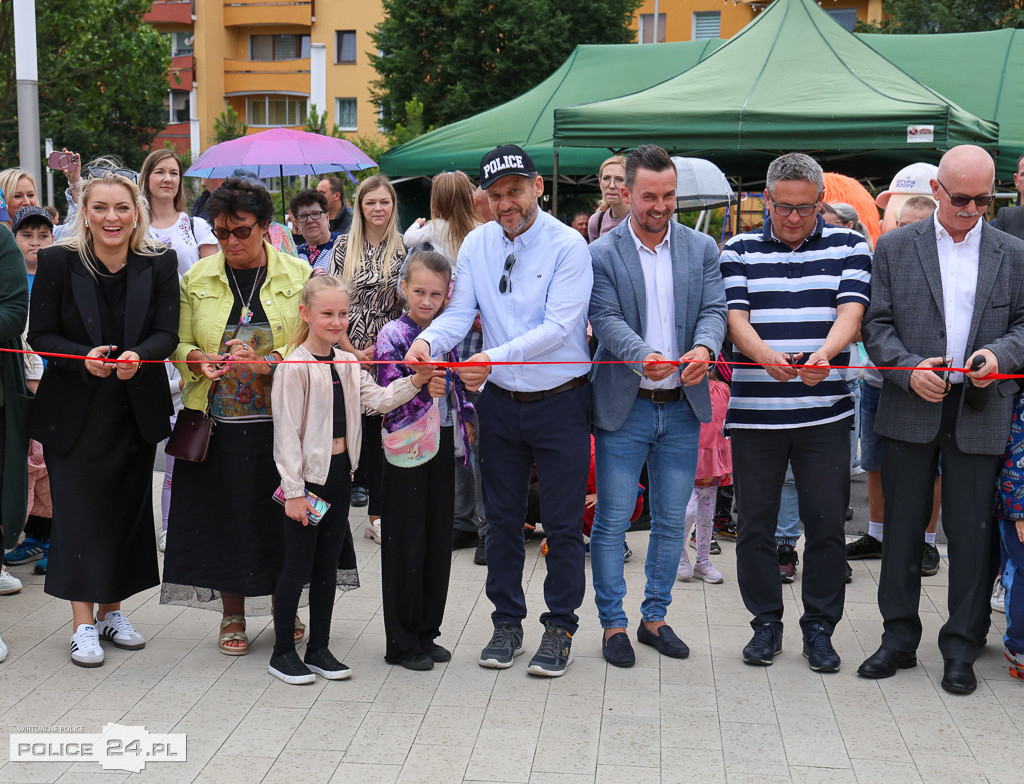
pixel 8 583
pixel 3 651
pixel 998 600
pixel 685 570
pixel 372 531
pixel 85 646
pixel 706 571
pixel 162 545
pixel 118 630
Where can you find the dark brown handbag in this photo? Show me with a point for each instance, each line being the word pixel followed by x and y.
pixel 190 437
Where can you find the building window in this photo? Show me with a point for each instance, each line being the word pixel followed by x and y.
pixel 273 111
pixel 181 43
pixel 345 116
pixel 278 47
pixel 646 32
pixel 178 106
pixel 707 24
pixel 847 17
pixel 345 46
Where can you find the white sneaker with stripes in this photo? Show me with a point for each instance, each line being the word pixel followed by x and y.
pixel 118 630
pixel 85 646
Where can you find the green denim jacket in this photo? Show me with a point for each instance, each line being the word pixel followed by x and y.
pixel 206 300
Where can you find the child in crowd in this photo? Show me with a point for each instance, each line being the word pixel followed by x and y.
pixel 714 469
pixel 422 441
pixel 317 436
pixel 1010 513
pixel 33 231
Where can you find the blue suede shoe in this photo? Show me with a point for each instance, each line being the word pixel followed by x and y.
pixel 618 651
pixel 665 641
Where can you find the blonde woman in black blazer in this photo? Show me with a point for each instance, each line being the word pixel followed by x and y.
pixel 107 291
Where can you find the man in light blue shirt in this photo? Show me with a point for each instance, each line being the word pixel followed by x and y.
pixel 530 277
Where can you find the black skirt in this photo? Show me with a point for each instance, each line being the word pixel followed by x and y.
pixel 224 530
pixel 102 541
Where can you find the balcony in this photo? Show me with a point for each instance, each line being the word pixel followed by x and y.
pixel 163 12
pixel 248 13
pixel 182 73
pixel 178 134
pixel 266 76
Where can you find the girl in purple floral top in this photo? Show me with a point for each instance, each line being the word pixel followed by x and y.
pixel 422 440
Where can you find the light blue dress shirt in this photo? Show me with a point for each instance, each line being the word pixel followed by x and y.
pixel 544 316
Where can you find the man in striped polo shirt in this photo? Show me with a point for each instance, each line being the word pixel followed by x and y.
pixel 796 291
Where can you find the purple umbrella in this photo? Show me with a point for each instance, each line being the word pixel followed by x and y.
pixel 280 152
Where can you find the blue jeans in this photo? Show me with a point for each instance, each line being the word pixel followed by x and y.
pixel 666 436
pixel 789 510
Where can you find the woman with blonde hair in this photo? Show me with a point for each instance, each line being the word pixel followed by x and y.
pixel 162 184
pixel 452 216
pixel 612 210
pixel 369 259
pixel 18 187
pixel 107 292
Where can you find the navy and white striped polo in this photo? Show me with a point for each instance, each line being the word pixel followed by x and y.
pixel 792 296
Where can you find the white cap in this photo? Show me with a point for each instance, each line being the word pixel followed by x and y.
pixel 913 179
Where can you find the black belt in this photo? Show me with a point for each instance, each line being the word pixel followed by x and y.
pixel 533 397
pixel 659 395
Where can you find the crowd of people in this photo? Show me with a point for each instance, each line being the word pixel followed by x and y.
pixel 495 369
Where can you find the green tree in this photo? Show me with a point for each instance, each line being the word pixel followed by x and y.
pixel 460 57
pixel 102 78
pixel 946 16
pixel 228 125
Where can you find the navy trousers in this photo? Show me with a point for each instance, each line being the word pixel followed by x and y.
pixel 554 434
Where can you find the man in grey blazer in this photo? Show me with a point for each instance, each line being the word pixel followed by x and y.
pixel 947 289
pixel 1011 219
pixel 658 304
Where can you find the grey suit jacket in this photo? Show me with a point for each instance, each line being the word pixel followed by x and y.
pixel 905 324
pixel 618 315
pixel 1010 220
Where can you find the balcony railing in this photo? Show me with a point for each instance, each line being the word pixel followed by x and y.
pixel 182 72
pixel 266 76
pixel 247 13
pixel 170 12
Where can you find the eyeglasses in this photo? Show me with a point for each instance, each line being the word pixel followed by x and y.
pixel 803 210
pixel 963 201
pixel 609 180
pixel 310 216
pixel 505 284
pixel 242 232
pixel 96 172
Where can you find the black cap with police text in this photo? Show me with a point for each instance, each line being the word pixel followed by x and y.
pixel 31 211
pixel 506 159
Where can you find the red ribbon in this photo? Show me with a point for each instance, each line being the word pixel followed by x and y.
pixel 940 369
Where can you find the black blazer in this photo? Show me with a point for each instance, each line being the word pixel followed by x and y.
pixel 64 318
pixel 1010 220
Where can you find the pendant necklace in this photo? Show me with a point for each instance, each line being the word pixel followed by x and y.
pixel 246 316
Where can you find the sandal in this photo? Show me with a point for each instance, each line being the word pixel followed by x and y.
pixel 300 630
pixel 233 637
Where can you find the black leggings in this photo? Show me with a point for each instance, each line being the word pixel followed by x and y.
pixel 311 556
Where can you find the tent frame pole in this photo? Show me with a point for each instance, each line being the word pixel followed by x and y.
pixel 554 183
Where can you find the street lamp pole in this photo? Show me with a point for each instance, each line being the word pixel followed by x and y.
pixel 27 78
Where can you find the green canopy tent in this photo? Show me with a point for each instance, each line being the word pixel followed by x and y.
pixel 979 71
pixel 793 79
pixel 591 73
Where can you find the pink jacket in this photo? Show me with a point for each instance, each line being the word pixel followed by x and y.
pixel 715 455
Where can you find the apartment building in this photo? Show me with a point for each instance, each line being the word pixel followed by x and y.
pixel 270 61
pixel 691 20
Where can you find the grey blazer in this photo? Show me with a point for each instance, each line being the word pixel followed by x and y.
pixel 905 324
pixel 1010 220
pixel 618 315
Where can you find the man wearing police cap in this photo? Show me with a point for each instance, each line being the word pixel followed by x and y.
pixel 530 277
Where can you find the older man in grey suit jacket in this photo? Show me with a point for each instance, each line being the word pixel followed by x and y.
pixel 658 303
pixel 946 289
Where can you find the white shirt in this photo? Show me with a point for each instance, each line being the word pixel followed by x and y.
pixel 958 264
pixel 660 324
pixel 179 236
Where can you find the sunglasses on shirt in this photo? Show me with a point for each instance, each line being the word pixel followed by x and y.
pixel 962 201
pixel 505 284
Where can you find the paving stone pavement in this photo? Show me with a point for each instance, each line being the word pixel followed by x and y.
pixel 707 719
